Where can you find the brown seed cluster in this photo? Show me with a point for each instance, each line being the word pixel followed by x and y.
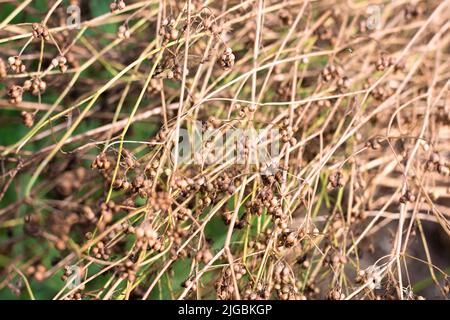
pixel 70 181
pixel 101 162
pixel 204 255
pixel 128 270
pixel 384 62
pixel 16 64
pixel 123 32
pixel 35 85
pixel 336 260
pixel 37 271
pixel 408 196
pixel 101 251
pixel 60 62
pixel 284 283
pixel 168 30
pixel 15 94
pixel 227 59
pixel 332 72
pixel 261 292
pixel 117 5
pixel 27 118
pixel 437 163
pixel 176 236
pixel 336 180
pixel 225 285
pixel 107 212
pixel 40 31
pixel 287 133
pixel 147 237
pixel 374 143
pixel 336 294
pixel 287 232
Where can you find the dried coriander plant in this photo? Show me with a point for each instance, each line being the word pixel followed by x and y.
pixel 102 199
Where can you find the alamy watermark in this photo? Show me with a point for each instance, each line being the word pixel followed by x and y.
pixel 374 17
pixel 202 145
pixel 73 273
pixel 74 17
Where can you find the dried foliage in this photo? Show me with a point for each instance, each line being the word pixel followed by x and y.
pixel 94 205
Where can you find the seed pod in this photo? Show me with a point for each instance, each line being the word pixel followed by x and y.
pixel 227 59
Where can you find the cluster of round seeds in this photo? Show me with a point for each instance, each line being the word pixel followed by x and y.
pixel 261 242
pixel 101 162
pixel 204 255
pixel 142 186
pixel 288 238
pixel 413 11
pixel 332 72
pixel 436 163
pixel 16 64
pixel 117 5
pixel 37 271
pixel 75 296
pixel 374 143
pixel 284 283
pixel 239 223
pixel 121 184
pixel 336 260
pixel 107 211
pixel 408 196
pixel 176 236
pixel 370 276
pixel 379 93
pixel 101 251
pixel 262 292
pixel 287 133
pixel 224 285
pixel 61 62
pixel 324 103
pixel 60 225
pixel 123 32
pixel 266 199
pixel 152 167
pixel 155 86
pixel 15 94
pixel 27 119
pixel 183 214
pixel 160 200
pixel 336 294
pixel 35 85
pixel 227 59
pixel 384 62
pixel 168 30
pixel 89 214
pixel 147 237
pixel 336 180
pixel 343 84
pixel 128 270
pixel 40 31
